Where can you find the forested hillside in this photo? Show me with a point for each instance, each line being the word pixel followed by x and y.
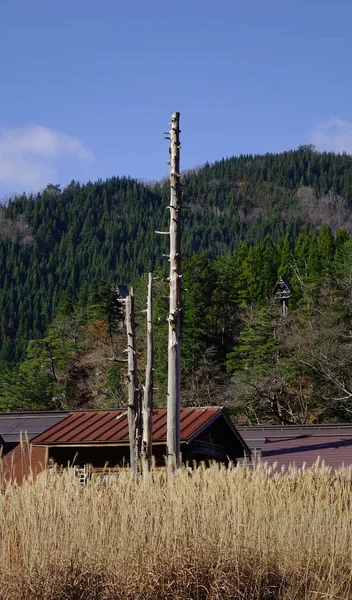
pixel 246 222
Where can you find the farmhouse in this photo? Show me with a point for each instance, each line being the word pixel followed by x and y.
pixel 99 438
pixel 299 445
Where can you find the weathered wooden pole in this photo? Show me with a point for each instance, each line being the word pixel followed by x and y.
pixel 133 412
pixel 174 346
pixel 148 389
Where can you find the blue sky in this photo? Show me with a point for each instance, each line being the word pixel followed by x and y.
pixel 87 87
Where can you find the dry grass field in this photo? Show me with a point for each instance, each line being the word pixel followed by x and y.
pixel 218 534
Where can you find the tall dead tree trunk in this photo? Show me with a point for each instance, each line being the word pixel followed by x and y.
pixel 134 412
pixel 174 346
pixel 148 389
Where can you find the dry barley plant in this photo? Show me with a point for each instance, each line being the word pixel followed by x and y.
pixel 218 534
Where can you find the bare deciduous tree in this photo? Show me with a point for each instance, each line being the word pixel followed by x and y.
pixel 174 347
pixel 134 412
pixel 148 389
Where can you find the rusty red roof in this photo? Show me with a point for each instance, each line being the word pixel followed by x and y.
pixel 334 450
pixel 111 426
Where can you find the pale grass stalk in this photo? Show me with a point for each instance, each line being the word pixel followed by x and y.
pixel 217 534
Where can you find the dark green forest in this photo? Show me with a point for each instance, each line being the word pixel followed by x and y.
pixel 247 221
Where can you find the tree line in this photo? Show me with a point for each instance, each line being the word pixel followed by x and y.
pixel 237 348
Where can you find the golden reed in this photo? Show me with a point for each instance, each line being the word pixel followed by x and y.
pixel 217 534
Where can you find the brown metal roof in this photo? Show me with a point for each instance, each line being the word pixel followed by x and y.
pixel 334 450
pixel 29 424
pixel 255 435
pixel 111 426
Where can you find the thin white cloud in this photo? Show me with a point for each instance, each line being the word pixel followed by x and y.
pixel 333 135
pixel 28 156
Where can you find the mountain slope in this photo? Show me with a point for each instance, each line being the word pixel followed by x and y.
pixel 64 241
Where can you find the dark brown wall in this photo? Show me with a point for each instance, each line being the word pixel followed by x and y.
pixel 99 457
pixel 221 434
